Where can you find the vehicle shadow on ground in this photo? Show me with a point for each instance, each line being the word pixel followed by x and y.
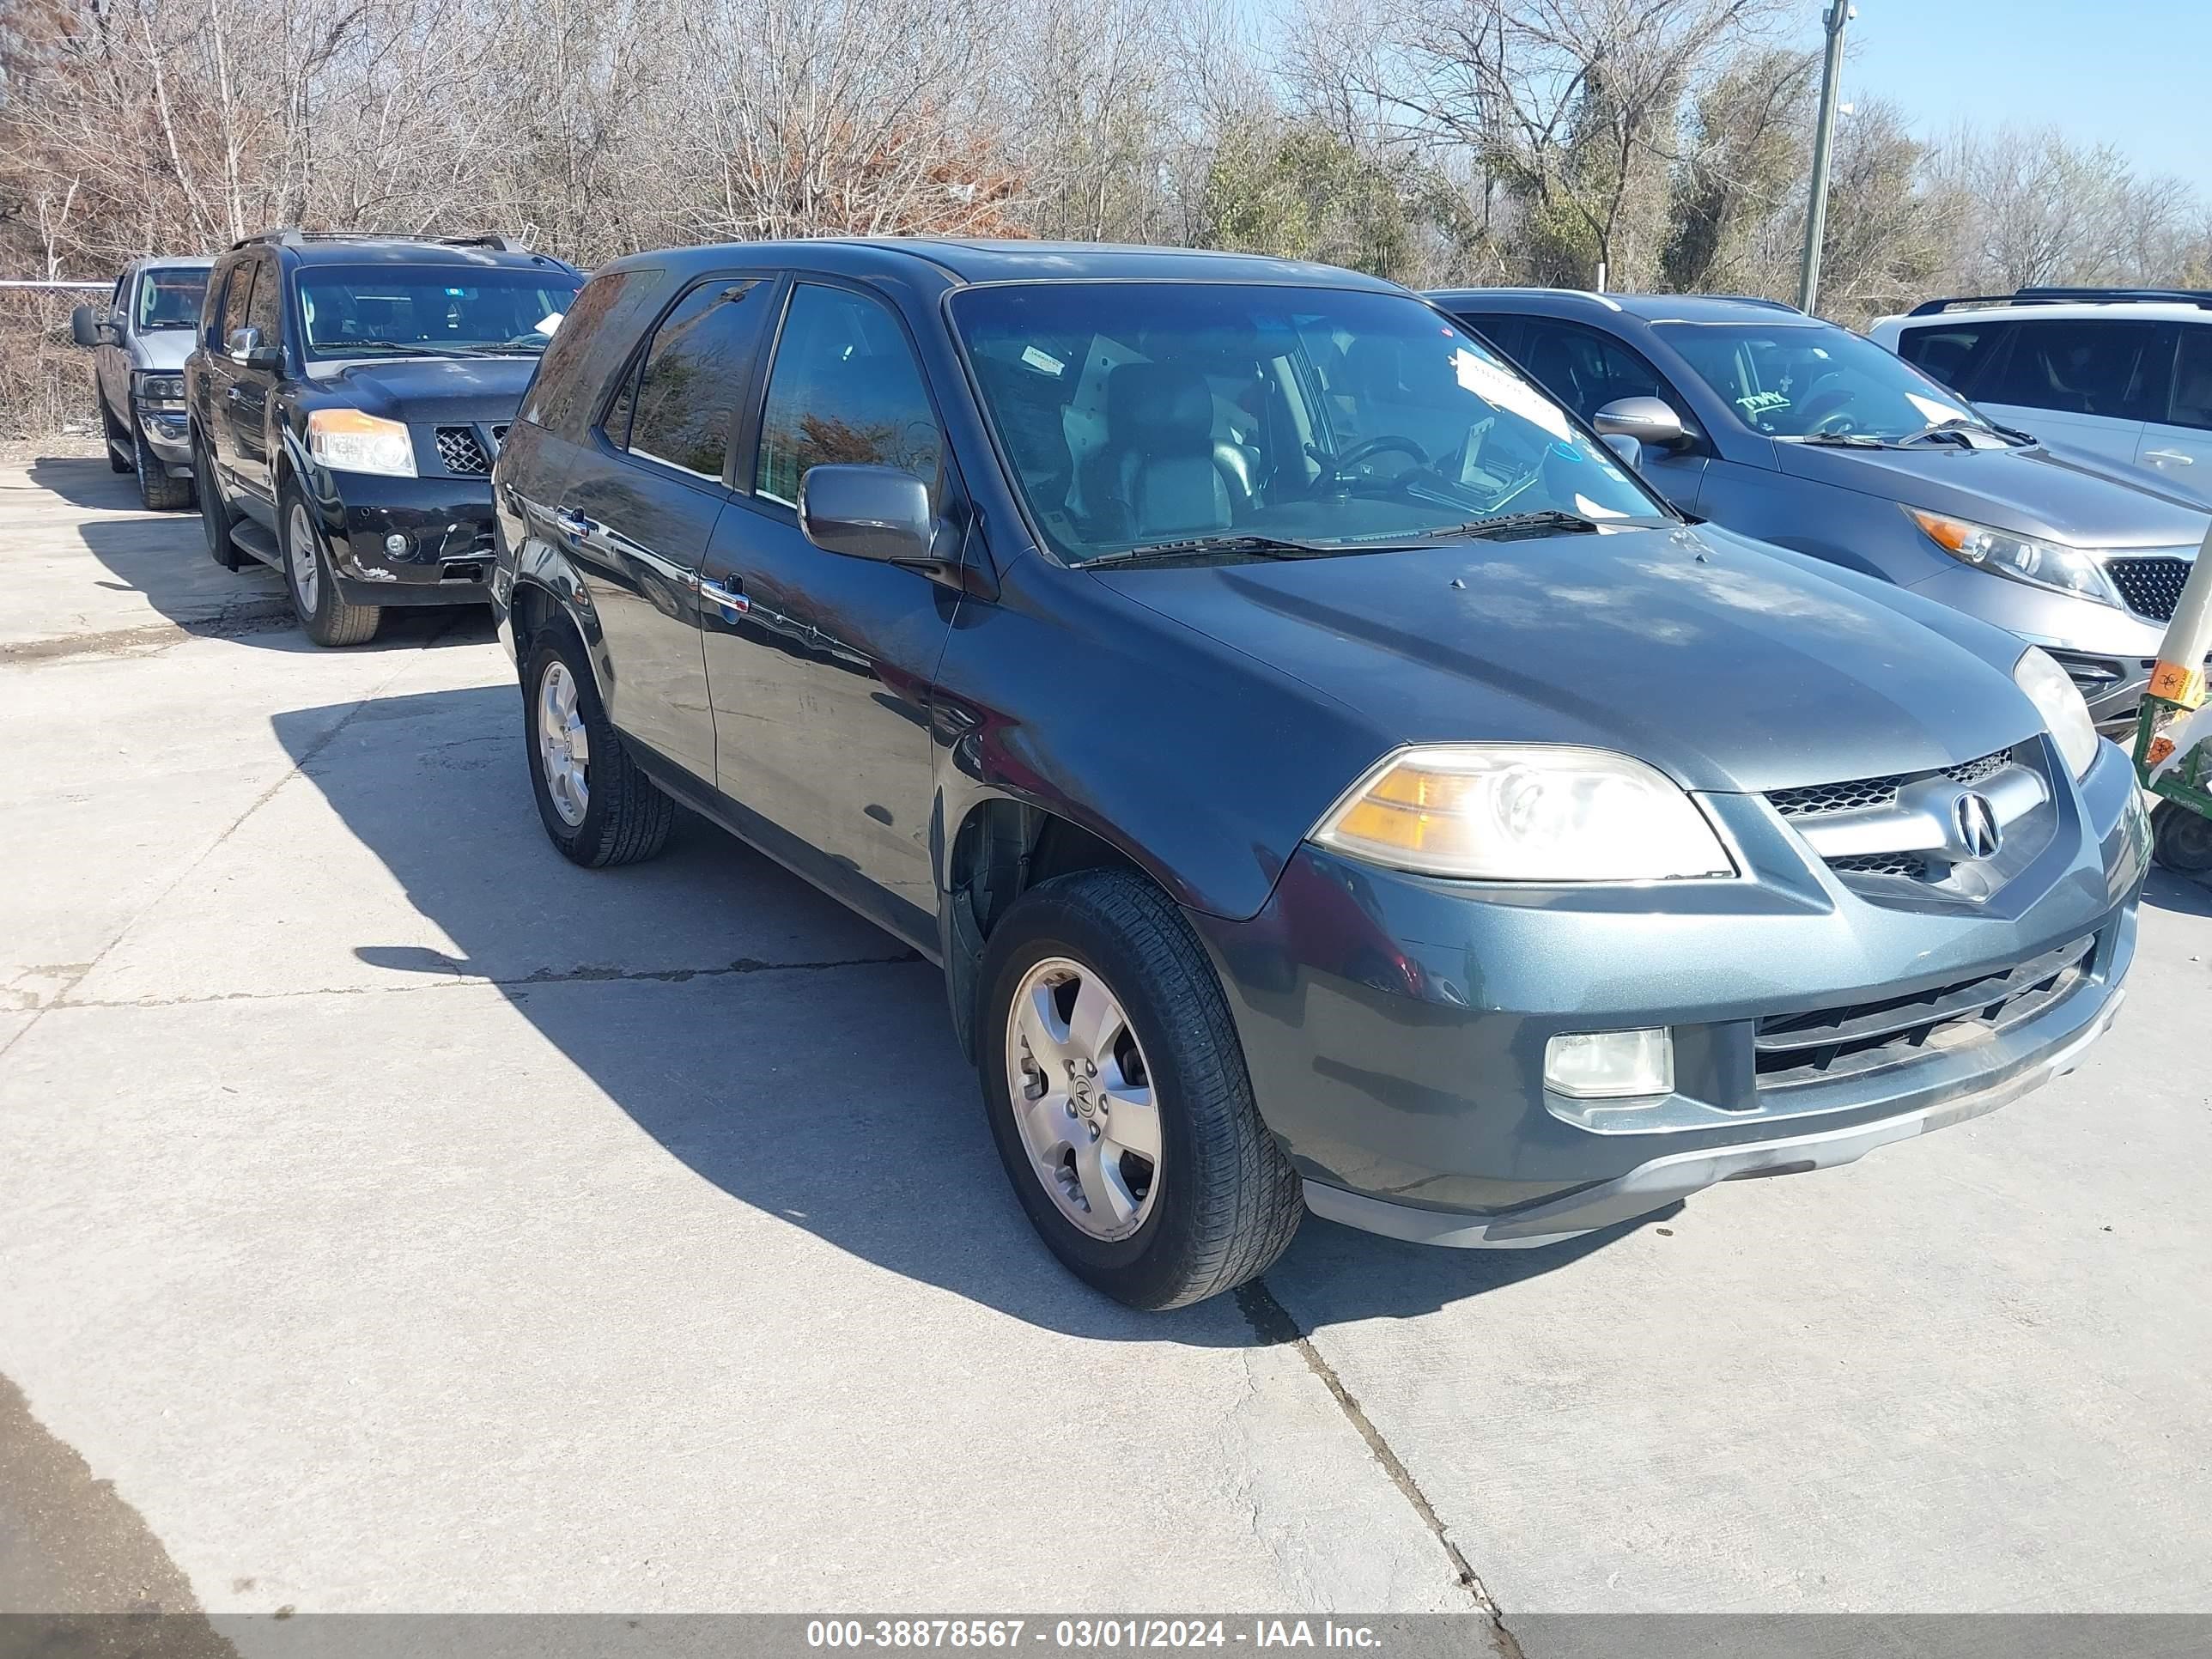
pixel 2185 895
pixel 820 1083
pixel 164 556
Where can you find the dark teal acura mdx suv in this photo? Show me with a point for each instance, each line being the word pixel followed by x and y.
pixel 1328 778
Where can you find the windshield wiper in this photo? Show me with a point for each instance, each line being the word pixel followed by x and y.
pixel 358 347
pixel 1264 547
pixel 1841 440
pixel 1547 521
pixel 1958 426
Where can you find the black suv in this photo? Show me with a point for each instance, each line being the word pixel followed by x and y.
pixel 347 396
pixel 1328 778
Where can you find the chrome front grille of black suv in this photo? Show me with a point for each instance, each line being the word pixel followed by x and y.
pixel 2152 587
pixel 1791 1049
pixel 460 451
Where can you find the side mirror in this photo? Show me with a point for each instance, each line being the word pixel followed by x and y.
pixel 1645 420
pixel 245 346
pixel 868 513
pixel 90 326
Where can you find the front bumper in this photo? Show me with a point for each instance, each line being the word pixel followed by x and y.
pixel 443 527
pixel 1395 1026
pixel 167 431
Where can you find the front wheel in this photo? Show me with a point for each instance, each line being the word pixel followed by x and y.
pixel 328 619
pixel 156 488
pixel 598 807
pixel 1118 1096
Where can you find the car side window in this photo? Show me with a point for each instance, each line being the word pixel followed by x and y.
pixel 1954 353
pixel 2084 366
pixel 680 405
pixel 2191 403
pixel 233 305
pixel 845 388
pixel 264 311
pixel 560 385
pixel 1586 371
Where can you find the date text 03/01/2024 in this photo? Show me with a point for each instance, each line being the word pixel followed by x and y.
pixel 1088 1634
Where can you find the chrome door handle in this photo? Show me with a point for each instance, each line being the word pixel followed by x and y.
pixel 732 598
pixel 570 522
pixel 2174 455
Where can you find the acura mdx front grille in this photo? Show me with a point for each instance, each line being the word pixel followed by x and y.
pixel 1816 798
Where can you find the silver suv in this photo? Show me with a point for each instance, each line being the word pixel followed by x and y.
pixel 140 337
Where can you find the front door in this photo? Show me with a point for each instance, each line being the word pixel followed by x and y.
pixel 219 394
pixel 2179 445
pixel 1587 370
pixel 820 666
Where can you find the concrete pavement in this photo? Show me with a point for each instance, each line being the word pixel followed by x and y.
pixel 402 1219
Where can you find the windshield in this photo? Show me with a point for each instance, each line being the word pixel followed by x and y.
pixel 1806 381
pixel 170 299
pixel 1135 414
pixel 373 310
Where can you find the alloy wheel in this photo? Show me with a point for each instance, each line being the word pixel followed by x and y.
pixel 564 748
pixel 1083 1099
pixel 307 568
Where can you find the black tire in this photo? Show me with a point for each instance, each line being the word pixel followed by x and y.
pixel 118 440
pixel 2181 838
pixel 215 511
pixel 156 488
pixel 327 618
pixel 626 818
pixel 1229 1201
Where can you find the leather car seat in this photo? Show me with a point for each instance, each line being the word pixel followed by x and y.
pixel 1161 463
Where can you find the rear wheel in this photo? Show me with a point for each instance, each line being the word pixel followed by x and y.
pixel 215 511
pixel 322 611
pixel 1118 1096
pixel 2181 838
pixel 160 492
pixel 599 806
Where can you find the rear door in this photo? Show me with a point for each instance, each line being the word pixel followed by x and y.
pixel 2177 440
pixel 2089 382
pixel 637 510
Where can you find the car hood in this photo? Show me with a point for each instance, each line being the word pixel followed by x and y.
pixel 432 388
pixel 162 348
pixel 1728 665
pixel 2031 491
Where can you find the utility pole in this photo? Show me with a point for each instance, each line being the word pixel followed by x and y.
pixel 1840 12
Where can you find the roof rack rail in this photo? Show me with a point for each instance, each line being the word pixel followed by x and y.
pixel 1750 299
pixel 2046 295
pixel 293 236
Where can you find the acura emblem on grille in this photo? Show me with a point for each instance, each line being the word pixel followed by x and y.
pixel 1976 822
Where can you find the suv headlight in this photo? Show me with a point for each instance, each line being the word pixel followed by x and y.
pixel 346 441
pixel 2060 702
pixel 163 388
pixel 2024 558
pixel 1507 813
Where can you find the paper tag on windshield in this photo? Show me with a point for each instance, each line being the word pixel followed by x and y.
pixel 1044 361
pixel 547 322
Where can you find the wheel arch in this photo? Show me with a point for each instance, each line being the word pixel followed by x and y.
pixel 1002 847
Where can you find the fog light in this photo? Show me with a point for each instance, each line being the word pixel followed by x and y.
pixel 395 544
pixel 1610 1064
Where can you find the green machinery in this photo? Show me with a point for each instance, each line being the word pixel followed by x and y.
pixel 2174 733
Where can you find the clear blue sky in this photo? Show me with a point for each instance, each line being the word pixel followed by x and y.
pixel 2135 74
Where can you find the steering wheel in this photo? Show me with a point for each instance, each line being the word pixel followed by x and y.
pixel 1835 421
pixel 1337 467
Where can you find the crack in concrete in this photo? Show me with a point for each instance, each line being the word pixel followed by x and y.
pixel 1271 1323
pixel 251 617
pixel 582 975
